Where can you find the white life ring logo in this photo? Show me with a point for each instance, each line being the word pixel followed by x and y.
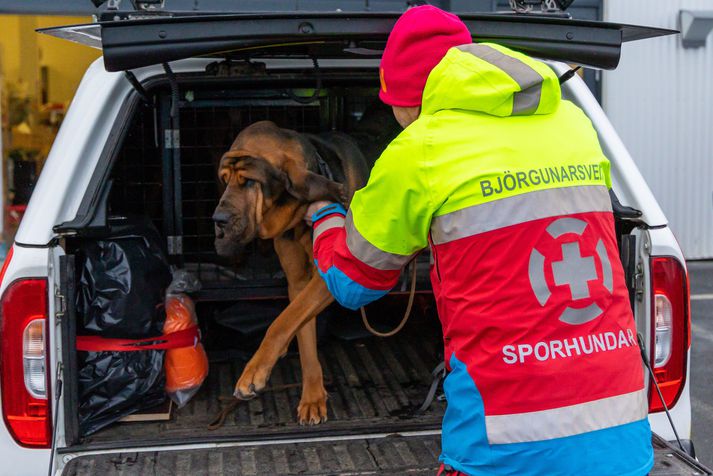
pixel 575 270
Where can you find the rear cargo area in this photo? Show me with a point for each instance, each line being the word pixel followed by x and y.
pixel 374 384
pixel 169 179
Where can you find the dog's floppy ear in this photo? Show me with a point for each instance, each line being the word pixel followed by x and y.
pixel 310 187
pixel 271 179
pixel 302 184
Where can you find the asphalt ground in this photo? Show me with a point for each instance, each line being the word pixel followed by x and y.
pixel 701 279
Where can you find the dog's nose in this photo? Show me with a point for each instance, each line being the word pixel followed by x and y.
pixel 220 218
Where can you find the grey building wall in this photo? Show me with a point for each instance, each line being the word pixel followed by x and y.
pixel 660 100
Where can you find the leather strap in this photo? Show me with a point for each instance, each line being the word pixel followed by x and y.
pixel 407 312
pixel 233 402
pixel 439 373
pixel 323 166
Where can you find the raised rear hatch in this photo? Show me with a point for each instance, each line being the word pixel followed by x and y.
pixel 131 41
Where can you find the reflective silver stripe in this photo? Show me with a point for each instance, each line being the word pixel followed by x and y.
pixel 566 225
pixel 328 224
pixel 370 254
pixel 525 101
pixel 519 209
pixel 607 279
pixel 580 316
pixel 567 421
pixel 536 271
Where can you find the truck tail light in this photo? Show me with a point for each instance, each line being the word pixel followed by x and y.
pixel 670 334
pixel 23 361
pixel 33 358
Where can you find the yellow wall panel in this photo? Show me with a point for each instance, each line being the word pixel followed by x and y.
pixel 65 61
pixel 23 52
pixel 10 46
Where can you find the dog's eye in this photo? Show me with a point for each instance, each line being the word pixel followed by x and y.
pixel 249 183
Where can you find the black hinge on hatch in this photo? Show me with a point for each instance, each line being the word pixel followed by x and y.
pixel 138 4
pixel 545 6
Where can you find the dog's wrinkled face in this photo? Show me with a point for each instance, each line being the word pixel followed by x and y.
pixel 252 187
pixel 267 187
pixel 254 184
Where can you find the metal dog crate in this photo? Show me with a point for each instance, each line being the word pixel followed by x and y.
pixel 172 177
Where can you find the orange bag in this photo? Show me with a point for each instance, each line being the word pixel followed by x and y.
pixel 186 367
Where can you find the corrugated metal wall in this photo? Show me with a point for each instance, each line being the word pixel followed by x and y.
pixel 660 100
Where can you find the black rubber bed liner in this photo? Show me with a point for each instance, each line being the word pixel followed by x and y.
pixel 373 384
pixel 391 455
pixel 395 454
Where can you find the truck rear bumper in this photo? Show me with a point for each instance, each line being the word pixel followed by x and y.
pixel 414 454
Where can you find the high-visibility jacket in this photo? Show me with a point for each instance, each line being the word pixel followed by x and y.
pixel 508 184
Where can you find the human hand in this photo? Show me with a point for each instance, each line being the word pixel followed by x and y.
pixel 314 208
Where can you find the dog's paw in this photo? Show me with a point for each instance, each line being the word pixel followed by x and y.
pixel 312 409
pixel 254 377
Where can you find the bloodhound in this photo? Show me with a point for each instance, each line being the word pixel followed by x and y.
pixel 270 177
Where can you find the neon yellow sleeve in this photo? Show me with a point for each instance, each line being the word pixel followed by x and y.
pixel 393 211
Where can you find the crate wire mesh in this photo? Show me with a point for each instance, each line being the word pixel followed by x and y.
pixel 137 174
pixel 209 123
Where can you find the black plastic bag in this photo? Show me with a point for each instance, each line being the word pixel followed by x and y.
pixel 122 283
pixel 113 385
pixel 121 292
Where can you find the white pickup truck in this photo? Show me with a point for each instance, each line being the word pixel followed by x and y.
pixel 142 139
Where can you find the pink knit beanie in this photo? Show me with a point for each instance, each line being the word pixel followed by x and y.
pixel 418 42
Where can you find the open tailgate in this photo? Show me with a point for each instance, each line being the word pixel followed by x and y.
pixel 131 42
pixel 413 454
